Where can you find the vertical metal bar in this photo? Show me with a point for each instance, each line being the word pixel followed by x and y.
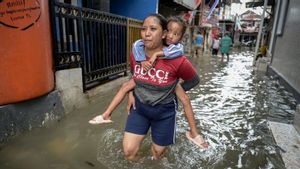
pixel 90 46
pixel 117 41
pixel 102 45
pixel 67 33
pixel 271 45
pixel 260 30
pixel 54 32
pixel 93 44
pixel 62 31
pixel 109 42
pixel 72 38
pixel 98 45
pixel 76 34
pixel 57 34
pixel 66 36
pixel 96 48
pixel 124 45
pixel 128 39
pixel 81 41
pixel 106 44
pixel 112 46
pixel 114 49
pixel 282 17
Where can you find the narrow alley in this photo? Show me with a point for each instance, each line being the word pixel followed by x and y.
pixel 232 104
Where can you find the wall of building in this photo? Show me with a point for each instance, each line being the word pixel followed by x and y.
pixel 18 118
pixel 286 54
pixel 137 9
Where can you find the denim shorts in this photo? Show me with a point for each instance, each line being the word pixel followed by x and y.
pixel 161 118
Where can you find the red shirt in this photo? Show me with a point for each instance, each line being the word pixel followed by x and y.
pixel 164 72
pixel 157 85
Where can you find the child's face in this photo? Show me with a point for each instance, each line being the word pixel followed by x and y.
pixel 174 33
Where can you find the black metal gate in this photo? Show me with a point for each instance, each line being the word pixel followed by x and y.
pixel 90 39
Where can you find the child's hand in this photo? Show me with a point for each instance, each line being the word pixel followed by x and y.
pixel 146 65
pixel 153 59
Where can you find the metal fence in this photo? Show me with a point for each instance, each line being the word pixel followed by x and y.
pixel 133 33
pixel 96 41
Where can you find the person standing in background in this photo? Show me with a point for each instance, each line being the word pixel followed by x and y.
pixel 225 44
pixel 215 46
pixel 198 41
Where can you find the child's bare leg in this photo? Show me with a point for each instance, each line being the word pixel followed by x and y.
pixel 185 100
pixel 126 87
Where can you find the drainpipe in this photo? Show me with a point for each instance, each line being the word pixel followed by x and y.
pixel 201 13
pixel 260 30
pixel 276 16
pixel 223 17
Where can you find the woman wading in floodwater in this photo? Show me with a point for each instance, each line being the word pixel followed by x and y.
pixel 154 93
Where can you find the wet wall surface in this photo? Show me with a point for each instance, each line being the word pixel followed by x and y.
pixel 286 45
pixel 232 105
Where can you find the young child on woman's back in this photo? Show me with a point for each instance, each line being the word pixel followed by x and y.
pixel 176 29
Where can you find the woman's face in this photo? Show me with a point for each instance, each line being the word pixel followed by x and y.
pixel 152 33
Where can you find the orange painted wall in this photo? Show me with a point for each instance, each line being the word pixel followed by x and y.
pixel 26 69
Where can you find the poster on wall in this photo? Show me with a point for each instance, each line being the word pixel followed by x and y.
pixel 19 14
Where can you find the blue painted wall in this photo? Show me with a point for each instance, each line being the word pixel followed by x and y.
pixel 137 9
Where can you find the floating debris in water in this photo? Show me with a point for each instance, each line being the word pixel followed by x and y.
pixel 90 163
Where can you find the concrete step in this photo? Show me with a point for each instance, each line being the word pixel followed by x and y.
pixel 288 139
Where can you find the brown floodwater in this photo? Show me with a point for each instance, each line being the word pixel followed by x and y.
pixel 232 105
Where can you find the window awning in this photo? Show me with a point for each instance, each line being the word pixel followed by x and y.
pixel 257 3
pixel 236 1
pixel 181 5
pixel 190 4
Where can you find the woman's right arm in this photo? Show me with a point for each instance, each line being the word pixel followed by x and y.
pixel 131 101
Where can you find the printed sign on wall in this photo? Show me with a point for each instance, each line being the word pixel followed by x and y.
pixel 19 14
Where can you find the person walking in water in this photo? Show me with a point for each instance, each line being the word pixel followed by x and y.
pixel 176 29
pixel 154 94
pixel 225 44
pixel 215 46
pixel 198 41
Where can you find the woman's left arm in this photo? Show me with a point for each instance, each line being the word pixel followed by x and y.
pixel 188 84
pixel 188 73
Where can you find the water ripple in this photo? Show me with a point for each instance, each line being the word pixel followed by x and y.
pixel 231 105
